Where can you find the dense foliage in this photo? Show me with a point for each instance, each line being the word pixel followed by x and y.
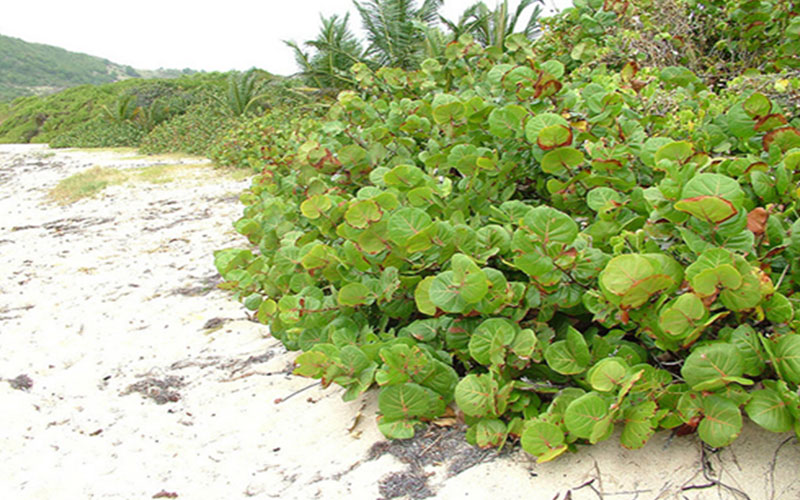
pixel 557 237
pixel 29 67
pixel 64 118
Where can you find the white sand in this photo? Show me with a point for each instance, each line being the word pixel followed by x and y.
pixel 114 291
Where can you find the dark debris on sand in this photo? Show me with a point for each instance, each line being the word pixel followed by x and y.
pixel 436 446
pixel 161 391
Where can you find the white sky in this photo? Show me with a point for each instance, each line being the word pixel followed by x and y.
pixel 199 34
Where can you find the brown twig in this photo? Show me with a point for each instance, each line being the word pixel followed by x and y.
pixel 295 393
pixel 711 481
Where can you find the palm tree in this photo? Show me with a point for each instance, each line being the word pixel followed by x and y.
pixel 336 49
pixel 244 92
pixel 395 30
pixel 492 27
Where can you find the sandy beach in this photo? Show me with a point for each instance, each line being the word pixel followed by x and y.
pixel 127 374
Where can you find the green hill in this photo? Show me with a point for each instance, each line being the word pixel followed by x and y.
pixel 35 69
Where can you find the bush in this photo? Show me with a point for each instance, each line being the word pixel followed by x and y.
pixel 555 251
pixel 100 133
pixel 255 142
pixel 193 132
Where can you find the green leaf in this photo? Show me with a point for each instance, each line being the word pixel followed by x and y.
pixel 405 223
pixel 397 429
pixel 551 226
pixel 584 413
pixel 361 213
pixel 779 309
pixel 447 108
pixel 506 122
pixel 554 136
pixel 543 440
pixel 313 207
pixel 712 271
pixel 757 105
pixel 769 410
pixel 787 357
pixel 784 139
pixel 714 185
pixel 682 316
pixel 639 425
pixel 748 344
pixel 490 433
pixel 677 151
pixel 711 209
pixel 354 294
pixel 712 366
pixel 632 279
pixel 554 67
pixel 491 340
pixel 409 401
pixel 475 395
pixel 404 177
pixel 722 421
pixel 422 297
pixel 739 123
pixel 603 199
pixel 445 293
pixel 537 123
pixel 560 160
pixel 607 374
pixel 570 356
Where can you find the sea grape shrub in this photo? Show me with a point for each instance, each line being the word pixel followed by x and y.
pixel 254 142
pixel 718 39
pixel 99 133
pixel 540 247
pixel 194 132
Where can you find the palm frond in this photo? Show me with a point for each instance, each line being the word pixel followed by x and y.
pixel 395 35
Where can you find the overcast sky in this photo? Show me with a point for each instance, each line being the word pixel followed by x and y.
pixel 217 35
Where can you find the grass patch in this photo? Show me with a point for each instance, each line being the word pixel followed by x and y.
pixel 163 173
pixel 86 184
pixel 90 182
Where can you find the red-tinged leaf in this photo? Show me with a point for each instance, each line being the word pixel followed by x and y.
pixel 554 136
pixel 785 138
pixel 769 122
pixel 757 221
pixel 629 71
pixel 713 209
pixel 546 87
pixel 757 105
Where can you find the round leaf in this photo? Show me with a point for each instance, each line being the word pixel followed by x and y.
pixel 638 425
pixel 475 394
pixel 537 123
pixel 407 222
pixel 769 410
pixel 543 440
pixel 722 421
pixel 409 401
pixel 709 367
pixel 787 357
pixel 561 159
pixel 607 374
pixel 551 226
pixel 554 136
pixel 584 413
pixel 354 294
